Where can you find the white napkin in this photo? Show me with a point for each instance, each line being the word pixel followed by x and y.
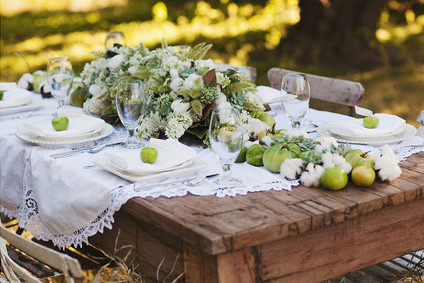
pixel 15 97
pixel 78 126
pixel 171 154
pixel 268 94
pixel 388 124
pixel 7 85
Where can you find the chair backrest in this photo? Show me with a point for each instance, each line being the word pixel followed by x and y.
pixel 249 72
pixel 333 90
pixel 62 262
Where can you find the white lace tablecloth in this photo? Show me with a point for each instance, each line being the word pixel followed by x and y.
pixel 62 201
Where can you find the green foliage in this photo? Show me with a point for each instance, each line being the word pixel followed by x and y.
pixel 199 51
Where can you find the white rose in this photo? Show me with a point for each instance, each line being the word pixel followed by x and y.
pixel 114 62
pixel 95 90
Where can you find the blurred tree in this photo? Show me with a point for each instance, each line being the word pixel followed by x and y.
pixel 336 33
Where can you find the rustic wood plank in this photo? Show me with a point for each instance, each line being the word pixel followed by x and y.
pixel 199 267
pixel 323 88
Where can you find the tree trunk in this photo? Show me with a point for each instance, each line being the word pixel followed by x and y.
pixel 335 33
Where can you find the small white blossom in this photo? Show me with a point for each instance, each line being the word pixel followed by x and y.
pixel 114 62
pixel 176 84
pixel 193 81
pixel 25 80
pixel 132 70
pixel 254 126
pixel 222 79
pixel 180 106
pixel 205 64
pixel 291 168
pixel 95 90
pixel 95 105
pixel 312 175
pixel 177 125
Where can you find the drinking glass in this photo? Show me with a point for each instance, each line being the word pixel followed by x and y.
pixel 296 98
pixel 129 105
pixel 60 78
pixel 226 139
pixel 114 37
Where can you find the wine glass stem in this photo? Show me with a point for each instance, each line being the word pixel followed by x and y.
pixel 226 171
pixel 295 125
pixel 131 138
pixel 61 103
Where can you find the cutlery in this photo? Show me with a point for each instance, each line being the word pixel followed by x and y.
pixel 192 181
pixel 94 149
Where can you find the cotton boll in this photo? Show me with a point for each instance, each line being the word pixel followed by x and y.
pixel 383 162
pixel 267 140
pixel 388 151
pixel 340 162
pixel 26 81
pixel 312 175
pixel 291 168
pixel 325 143
pixel 327 160
pixel 389 173
pixel 250 143
pixel 296 133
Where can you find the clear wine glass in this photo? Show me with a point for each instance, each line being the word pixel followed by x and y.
pixel 60 78
pixel 226 139
pixel 130 102
pixel 296 95
pixel 114 37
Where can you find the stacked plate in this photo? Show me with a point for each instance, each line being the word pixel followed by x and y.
pixel 18 100
pixel 175 161
pixel 390 129
pixel 81 129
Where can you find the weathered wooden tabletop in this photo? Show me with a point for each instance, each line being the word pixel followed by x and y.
pixel 307 235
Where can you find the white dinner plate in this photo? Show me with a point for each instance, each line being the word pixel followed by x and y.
pixel 69 142
pixel 33 105
pixel 406 132
pixel 187 171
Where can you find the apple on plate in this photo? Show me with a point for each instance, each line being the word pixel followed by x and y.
pixel 60 123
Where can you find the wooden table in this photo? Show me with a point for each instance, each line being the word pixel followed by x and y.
pixel 307 235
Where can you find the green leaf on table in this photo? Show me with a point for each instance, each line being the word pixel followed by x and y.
pixel 1 94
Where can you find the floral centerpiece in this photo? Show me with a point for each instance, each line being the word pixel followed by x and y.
pixel 181 88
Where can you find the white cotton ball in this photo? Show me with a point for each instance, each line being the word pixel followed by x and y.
pixel 267 140
pixel 389 173
pixel 312 175
pixel 25 81
pixel 327 160
pixel 340 162
pixel 384 162
pixel 388 152
pixel 290 168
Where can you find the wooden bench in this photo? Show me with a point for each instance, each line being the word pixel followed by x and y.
pixel 332 90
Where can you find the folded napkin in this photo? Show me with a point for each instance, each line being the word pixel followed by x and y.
pixel 268 94
pixel 7 85
pixel 78 126
pixel 388 124
pixel 15 97
pixel 171 154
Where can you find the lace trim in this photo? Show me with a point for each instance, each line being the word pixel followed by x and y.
pixel 8 213
pixel 405 152
pixel 29 218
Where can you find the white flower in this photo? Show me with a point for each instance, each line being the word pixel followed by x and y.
pixel 115 61
pixel 25 80
pixel 95 105
pixel 325 143
pixel 178 124
pixel 387 164
pixel 291 168
pixel 312 175
pixel 176 84
pixel 132 70
pixel 193 81
pixel 205 64
pixel 174 74
pixel 95 90
pixel 334 160
pixel 180 106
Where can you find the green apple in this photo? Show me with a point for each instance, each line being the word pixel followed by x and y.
pixel 60 123
pixel 357 157
pixel 1 94
pixel 264 117
pixel 363 176
pixel 241 157
pixel 333 178
pixel 275 155
pixel 37 81
pixel 149 155
pixel 371 122
pixel 78 97
pixel 255 154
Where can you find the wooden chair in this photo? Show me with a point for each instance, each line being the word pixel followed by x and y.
pixel 333 90
pixel 64 263
pixel 249 72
